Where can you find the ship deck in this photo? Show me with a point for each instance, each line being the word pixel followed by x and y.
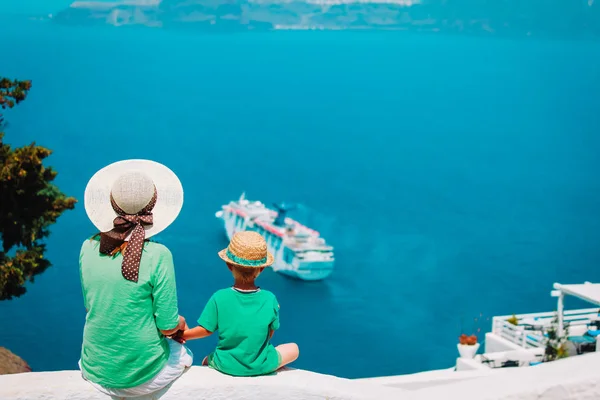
pixel 296 236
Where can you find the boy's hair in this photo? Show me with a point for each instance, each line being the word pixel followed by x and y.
pixel 244 274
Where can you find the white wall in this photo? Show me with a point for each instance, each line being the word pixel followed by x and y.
pixel 574 378
pixel 200 383
pixel 427 379
pixel 470 364
pixel 495 344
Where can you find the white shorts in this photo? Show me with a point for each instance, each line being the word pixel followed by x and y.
pixel 180 358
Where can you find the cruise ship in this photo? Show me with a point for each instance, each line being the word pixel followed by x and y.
pixel 299 251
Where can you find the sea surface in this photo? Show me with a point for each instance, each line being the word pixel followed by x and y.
pixel 457 176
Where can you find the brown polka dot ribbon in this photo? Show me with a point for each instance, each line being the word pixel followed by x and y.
pixel 123 225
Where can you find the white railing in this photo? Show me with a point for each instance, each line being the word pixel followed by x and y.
pixel 528 338
pixel 517 334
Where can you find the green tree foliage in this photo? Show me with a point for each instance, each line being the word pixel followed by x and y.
pixel 29 203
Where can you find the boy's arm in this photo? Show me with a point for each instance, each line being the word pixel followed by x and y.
pixel 198 332
pixel 208 319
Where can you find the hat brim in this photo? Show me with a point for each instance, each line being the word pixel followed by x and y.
pixel 169 191
pixel 269 262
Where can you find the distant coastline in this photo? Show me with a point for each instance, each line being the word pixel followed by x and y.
pixel 415 15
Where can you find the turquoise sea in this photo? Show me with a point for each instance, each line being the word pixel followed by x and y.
pixel 456 175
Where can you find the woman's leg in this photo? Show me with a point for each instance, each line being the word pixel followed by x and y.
pixel 288 352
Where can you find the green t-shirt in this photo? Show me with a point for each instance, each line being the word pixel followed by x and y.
pixel 122 346
pixel 243 320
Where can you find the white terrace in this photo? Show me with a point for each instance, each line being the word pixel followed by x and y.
pixel 524 343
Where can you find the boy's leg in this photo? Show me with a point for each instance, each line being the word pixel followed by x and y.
pixel 205 361
pixel 288 352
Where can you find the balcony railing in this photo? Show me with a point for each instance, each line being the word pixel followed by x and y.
pixel 529 331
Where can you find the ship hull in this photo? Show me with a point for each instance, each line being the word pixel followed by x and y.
pixel 308 271
pixel 305 270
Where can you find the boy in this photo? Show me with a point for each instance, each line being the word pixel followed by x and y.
pixel 244 314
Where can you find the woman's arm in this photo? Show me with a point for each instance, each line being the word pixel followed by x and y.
pixel 164 294
pixel 196 333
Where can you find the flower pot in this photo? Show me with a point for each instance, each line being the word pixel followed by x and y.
pixel 467 351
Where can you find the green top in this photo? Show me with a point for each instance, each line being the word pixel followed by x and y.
pixel 122 346
pixel 243 320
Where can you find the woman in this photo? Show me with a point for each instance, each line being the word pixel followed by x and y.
pixel 128 282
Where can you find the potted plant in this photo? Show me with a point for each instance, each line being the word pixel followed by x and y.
pixel 556 345
pixel 467 346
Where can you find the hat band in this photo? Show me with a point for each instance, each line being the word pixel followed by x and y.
pixel 245 261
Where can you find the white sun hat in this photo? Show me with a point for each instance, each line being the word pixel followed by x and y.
pixel 132 184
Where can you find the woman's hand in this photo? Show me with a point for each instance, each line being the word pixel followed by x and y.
pixel 177 333
pixel 178 337
pixel 181 326
pixel 185 325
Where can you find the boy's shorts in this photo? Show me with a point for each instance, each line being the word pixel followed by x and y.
pixel 274 363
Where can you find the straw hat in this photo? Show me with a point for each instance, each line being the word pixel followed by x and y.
pixel 132 184
pixel 247 249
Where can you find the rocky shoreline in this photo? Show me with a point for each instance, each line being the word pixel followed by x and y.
pixel 11 363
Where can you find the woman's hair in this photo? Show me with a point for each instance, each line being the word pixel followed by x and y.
pixel 119 249
pixel 244 274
